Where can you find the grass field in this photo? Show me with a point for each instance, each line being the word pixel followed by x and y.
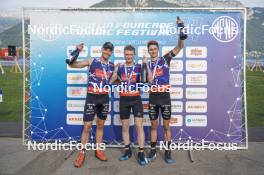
pixel 11 108
pixel 12 87
pixel 255 98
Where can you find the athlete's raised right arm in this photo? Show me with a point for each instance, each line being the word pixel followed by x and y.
pixel 81 64
pixel 182 36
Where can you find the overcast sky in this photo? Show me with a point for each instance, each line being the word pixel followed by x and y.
pixel 13 5
pixel 18 4
pixel 253 3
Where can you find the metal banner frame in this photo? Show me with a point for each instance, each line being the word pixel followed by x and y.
pixel 27 52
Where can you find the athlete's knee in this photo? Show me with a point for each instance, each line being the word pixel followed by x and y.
pixel 87 127
pixel 100 125
pixel 166 127
pixel 139 126
pixel 154 126
pixel 140 130
pixel 125 126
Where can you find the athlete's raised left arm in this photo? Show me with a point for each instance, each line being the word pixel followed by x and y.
pixel 182 36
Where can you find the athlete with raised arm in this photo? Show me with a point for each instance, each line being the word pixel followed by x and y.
pixel 159 97
pixel 97 99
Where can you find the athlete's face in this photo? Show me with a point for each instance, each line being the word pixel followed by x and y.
pixel 106 53
pixel 153 51
pixel 129 56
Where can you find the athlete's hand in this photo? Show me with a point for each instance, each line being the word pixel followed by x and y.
pixel 74 54
pixel 180 25
pixel 179 22
pixel 183 35
pixel 80 46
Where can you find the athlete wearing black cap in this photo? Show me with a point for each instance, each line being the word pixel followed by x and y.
pixel 97 100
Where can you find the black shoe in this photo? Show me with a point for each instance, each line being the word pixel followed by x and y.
pixel 142 159
pixel 152 154
pixel 167 157
pixel 126 155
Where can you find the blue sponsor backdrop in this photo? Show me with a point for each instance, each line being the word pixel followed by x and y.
pixel 222 120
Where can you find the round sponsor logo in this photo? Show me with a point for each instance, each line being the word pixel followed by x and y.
pixel 225 29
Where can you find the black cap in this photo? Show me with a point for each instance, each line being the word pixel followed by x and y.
pixel 108 45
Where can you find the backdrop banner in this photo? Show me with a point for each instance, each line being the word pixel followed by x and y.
pixel 206 76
